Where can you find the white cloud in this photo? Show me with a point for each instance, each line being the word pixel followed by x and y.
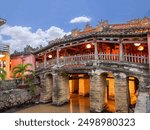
pixel 81 19
pixel 18 37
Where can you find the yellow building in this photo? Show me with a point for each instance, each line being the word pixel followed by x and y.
pixel 5 58
pixel 4 54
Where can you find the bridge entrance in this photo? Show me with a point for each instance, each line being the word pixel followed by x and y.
pixel 133 84
pixel 79 85
pixel 110 93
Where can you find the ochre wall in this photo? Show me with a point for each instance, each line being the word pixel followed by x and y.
pixel 82 86
pixel 74 85
pixel 132 91
pixel 111 88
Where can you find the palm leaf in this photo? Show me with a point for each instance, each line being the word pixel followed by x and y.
pixel 2 74
pixel 20 70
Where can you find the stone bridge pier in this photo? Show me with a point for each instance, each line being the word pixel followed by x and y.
pixel 60 88
pixel 54 88
pixel 98 90
pixel 121 92
pixel 119 87
pixel 97 87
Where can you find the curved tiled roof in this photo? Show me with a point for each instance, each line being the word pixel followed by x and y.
pixel 108 32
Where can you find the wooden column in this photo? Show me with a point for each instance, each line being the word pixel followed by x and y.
pixel 45 60
pixel 148 39
pixel 95 51
pixel 121 57
pixel 57 60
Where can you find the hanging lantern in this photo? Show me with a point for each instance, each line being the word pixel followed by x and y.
pixel 137 44
pixel 50 56
pixel 140 48
pixel 88 46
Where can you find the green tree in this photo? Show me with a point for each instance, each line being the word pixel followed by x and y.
pixel 20 71
pixel 2 74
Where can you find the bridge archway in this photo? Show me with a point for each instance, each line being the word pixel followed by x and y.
pixel 109 91
pixel 49 86
pixel 79 85
pixel 133 84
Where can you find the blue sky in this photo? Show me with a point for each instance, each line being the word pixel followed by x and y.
pixel 44 14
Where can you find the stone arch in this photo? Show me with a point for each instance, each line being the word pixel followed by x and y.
pixel 98 89
pixel 109 92
pixel 79 98
pixel 133 84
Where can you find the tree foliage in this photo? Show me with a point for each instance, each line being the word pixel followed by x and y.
pixel 2 74
pixel 20 71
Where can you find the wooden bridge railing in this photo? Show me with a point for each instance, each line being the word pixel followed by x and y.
pixel 112 57
pixel 136 59
pixel 78 59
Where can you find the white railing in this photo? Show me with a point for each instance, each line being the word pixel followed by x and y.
pixel 39 65
pixel 79 59
pixel 113 57
pixel 135 58
pixel 76 59
pixel 51 62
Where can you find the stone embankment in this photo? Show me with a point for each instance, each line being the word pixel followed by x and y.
pixel 14 97
pixel 11 96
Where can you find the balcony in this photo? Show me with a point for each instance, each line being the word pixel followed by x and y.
pixel 80 59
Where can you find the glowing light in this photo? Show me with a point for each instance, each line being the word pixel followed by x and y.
pixel 61 57
pixel 1 55
pixel 88 46
pixel 137 44
pixel 140 48
pixel 50 56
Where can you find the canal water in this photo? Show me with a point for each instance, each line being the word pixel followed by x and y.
pixel 78 104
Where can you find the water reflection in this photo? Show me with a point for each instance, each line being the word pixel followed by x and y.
pixel 78 104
